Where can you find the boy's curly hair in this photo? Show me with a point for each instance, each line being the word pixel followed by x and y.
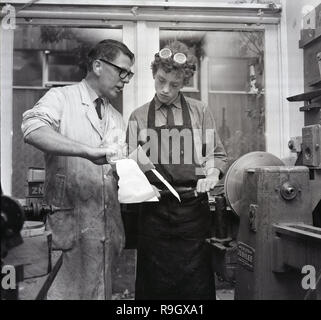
pixel 187 69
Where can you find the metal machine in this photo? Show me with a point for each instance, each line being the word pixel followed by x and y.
pixel 277 246
pixel 30 256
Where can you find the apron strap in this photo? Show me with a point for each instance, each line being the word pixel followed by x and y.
pixel 151 115
pixel 187 122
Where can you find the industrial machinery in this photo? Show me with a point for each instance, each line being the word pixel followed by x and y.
pixel 26 247
pixel 12 219
pixel 13 216
pixel 276 249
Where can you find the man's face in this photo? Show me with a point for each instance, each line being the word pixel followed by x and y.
pixel 167 85
pixel 109 82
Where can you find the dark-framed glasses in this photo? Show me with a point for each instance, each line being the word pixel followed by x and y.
pixel 167 53
pixel 123 73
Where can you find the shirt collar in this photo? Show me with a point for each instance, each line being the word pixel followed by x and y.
pixel 176 102
pixel 92 93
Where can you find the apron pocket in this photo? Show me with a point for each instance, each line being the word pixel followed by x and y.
pixel 60 187
pixel 62 224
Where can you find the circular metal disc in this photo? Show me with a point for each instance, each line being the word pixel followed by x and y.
pixel 233 185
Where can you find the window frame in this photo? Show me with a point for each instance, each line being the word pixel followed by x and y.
pixel 142 36
pixel 276 109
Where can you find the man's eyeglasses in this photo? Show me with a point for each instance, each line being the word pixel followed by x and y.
pixel 123 73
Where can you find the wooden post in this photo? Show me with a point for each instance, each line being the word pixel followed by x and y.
pixel 6 70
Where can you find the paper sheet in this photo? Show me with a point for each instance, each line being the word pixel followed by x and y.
pixel 133 184
pixel 145 164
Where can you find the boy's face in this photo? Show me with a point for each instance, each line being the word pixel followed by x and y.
pixel 167 85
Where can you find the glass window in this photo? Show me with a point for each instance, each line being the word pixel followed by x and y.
pixel 228 74
pixel 27 68
pixel 63 67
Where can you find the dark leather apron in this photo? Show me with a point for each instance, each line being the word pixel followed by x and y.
pixel 173 260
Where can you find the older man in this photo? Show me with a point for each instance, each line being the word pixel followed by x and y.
pixel 79 131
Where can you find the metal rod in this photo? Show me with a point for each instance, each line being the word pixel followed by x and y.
pixel 299 231
pixel 165 16
pixel 272 7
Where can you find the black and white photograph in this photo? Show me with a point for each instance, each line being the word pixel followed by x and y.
pixel 163 155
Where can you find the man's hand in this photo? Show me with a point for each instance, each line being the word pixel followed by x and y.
pixel 52 142
pixel 117 151
pixel 99 156
pixel 207 184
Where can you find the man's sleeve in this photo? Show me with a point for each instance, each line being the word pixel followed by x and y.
pixel 47 112
pixel 213 149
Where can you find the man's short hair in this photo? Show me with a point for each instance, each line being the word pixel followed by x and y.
pixel 187 69
pixel 108 49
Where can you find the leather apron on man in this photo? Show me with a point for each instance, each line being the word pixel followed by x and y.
pixel 173 259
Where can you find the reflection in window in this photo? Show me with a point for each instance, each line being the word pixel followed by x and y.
pixel 228 74
pixel 231 83
pixel 27 68
pixel 63 67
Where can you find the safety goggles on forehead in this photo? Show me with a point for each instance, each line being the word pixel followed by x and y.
pixel 178 57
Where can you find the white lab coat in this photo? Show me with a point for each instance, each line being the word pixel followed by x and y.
pixel 91 233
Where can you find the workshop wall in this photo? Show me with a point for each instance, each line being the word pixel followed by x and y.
pixel 293 12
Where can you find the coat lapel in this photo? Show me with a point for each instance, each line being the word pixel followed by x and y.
pixel 91 112
pixel 92 117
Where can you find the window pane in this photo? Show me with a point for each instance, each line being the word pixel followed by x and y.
pixel 27 68
pixel 64 67
pixel 228 74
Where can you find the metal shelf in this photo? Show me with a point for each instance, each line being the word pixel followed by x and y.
pixel 310 107
pixel 304 43
pixel 307 96
pixel 315 83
